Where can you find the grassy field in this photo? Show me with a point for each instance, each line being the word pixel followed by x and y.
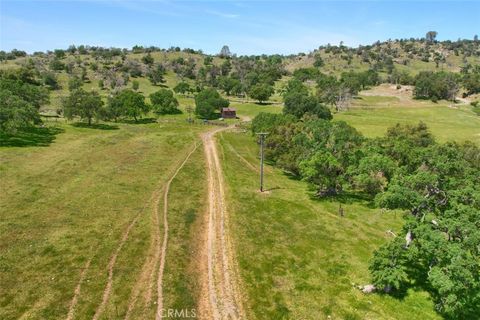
pixel 250 110
pixel 70 193
pixel 68 199
pixel 299 259
pixel 373 114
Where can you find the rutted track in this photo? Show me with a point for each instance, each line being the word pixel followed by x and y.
pixel 73 303
pixel 224 301
pixel 149 268
pixel 165 238
pixel 221 282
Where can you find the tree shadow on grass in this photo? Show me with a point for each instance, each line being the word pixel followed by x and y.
pixel 31 137
pixel 344 197
pixel 290 175
pixel 274 188
pixel 140 121
pixel 99 126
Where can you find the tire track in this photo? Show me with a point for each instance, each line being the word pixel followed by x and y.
pixel 144 280
pixel 147 266
pixel 223 286
pixel 165 236
pixel 111 265
pixel 251 166
pixel 76 294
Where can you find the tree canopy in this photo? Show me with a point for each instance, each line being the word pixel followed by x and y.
pixel 299 102
pixel 436 85
pixel 86 105
pixel 182 88
pixel 20 102
pixel 164 102
pixel 156 74
pixel 208 102
pixel 439 244
pixel 127 103
pixel 436 184
pixel 261 92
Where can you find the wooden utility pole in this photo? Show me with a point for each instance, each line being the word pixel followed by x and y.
pixel 262 140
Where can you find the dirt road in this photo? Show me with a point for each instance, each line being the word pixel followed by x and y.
pixel 222 286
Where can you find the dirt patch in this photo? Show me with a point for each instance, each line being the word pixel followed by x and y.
pixel 404 94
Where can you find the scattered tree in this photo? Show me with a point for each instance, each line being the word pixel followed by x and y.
pixel 225 52
pixel 86 105
pixel 431 36
pixel 208 102
pixel 127 103
pixel 156 74
pixel 261 92
pixel 74 83
pixel 182 88
pixel 20 101
pixel 298 104
pixel 148 59
pixel 318 63
pixel 164 102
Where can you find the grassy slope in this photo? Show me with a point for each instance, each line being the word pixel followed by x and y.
pixel 374 110
pixel 446 123
pixel 372 115
pixel 298 258
pixel 334 64
pixel 72 201
pixel 53 219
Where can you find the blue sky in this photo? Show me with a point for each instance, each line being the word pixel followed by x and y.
pixel 248 27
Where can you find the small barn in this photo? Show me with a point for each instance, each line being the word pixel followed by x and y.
pixel 229 113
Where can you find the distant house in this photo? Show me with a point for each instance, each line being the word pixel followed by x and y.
pixel 229 113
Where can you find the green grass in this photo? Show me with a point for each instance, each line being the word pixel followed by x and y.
pixel 250 110
pixel 372 115
pixel 187 204
pixel 446 123
pixel 366 101
pixel 298 259
pixel 70 198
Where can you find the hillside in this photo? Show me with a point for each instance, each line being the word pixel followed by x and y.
pixel 111 69
pixel 125 196
pixel 410 55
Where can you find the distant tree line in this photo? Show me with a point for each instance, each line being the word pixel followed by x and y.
pixel 124 104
